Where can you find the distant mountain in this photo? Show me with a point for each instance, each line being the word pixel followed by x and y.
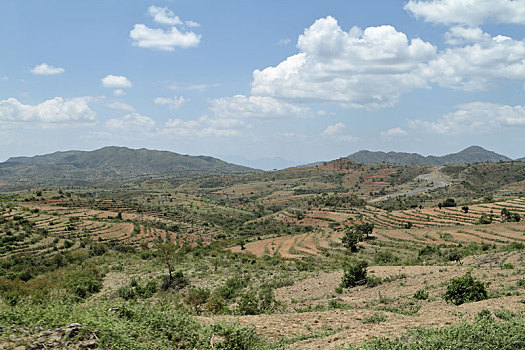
pixel 108 164
pixel 473 154
pixel 521 159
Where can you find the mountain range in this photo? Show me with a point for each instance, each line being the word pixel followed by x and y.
pixel 108 164
pixel 473 154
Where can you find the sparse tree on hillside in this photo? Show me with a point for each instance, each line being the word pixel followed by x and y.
pixel 166 251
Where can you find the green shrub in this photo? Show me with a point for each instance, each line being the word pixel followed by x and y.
pixel 374 319
pixel 84 283
pixel 355 273
pixel 421 295
pixel 465 289
pixel 485 219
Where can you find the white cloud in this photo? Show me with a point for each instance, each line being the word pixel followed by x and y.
pixel 203 127
pixel 465 35
pixel 54 111
pixel 45 69
pixel 358 69
pixel 163 15
pixel 116 81
pixel 394 132
pixel 284 42
pixel 192 24
pixel 4 78
pixel 164 40
pixel 336 131
pixel 240 106
pixel 132 121
pixel 474 66
pixel 121 105
pixel 172 102
pixel 474 118
pixel 119 92
pixel 469 12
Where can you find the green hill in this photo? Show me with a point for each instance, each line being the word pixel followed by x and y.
pixel 473 154
pixel 108 164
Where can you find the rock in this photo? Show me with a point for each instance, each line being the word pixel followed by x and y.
pixel 88 344
pixel 72 329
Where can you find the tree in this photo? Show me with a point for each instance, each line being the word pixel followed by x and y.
pixel 356 234
pixel 465 289
pixel 166 251
pixel 508 216
pixel 351 238
pixel 465 209
pixel 354 274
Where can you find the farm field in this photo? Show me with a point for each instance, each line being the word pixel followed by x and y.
pixel 263 256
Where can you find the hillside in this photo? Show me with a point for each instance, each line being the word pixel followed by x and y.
pixel 473 154
pixel 108 164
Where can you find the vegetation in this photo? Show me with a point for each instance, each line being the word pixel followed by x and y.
pixel 465 289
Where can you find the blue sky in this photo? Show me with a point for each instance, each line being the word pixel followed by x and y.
pixel 300 80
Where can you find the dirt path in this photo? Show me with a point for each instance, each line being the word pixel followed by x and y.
pixel 436 178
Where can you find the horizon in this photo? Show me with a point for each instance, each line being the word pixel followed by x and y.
pixel 304 82
pixel 237 160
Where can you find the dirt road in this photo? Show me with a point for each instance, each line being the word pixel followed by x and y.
pixel 436 178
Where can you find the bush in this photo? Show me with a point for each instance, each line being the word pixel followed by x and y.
pixel 177 282
pixel 449 202
pixel 465 289
pixel 197 297
pixel 354 274
pixel 421 295
pixel 485 219
pixel 84 283
pixel 135 289
pixel 248 304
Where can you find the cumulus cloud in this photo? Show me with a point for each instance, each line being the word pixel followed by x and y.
pixel 116 81
pixel 132 121
pixel 163 15
pixel 474 118
pixel 240 106
pixel 360 68
pixel 45 69
pixel 203 127
pixel 394 132
pixel 473 66
pixel 165 39
pixel 469 12
pixel 172 102
pixel 371 68
pixel 56 111
pixel 336 131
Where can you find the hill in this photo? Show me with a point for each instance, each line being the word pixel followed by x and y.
pixel 473 154
pixel 108 164
pixel 521 159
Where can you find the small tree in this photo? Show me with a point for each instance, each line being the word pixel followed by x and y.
pixel 354 273
pixel 465 289
pixel 166 252
pixel 356 234
pixel 508 216
pixel 465 209
pixel 449 202
pixel 485 219
pixel 351 238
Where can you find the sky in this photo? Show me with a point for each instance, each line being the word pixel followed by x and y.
pixel 244 80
